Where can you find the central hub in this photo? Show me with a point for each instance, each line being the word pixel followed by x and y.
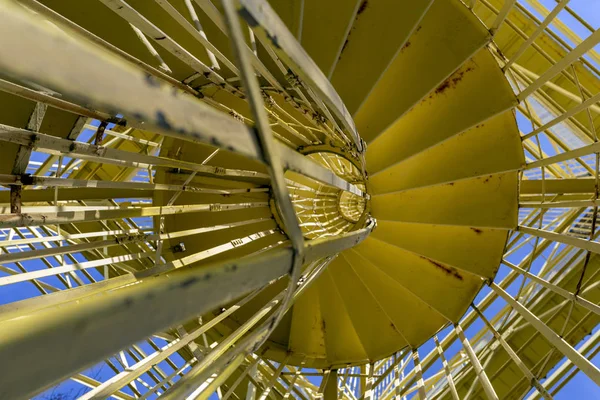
pixel 324 210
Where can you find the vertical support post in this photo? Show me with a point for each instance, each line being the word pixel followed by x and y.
pixel 419 374
pixel 323 383
pixel 565 348
pixel 396 384
pixel 447 371
pixel 330 392
pixel 479 371
pixel 363 378
pixel 517 360
pixel 368 393
pixel 23 154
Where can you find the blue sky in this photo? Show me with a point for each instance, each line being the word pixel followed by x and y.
pixel 580 387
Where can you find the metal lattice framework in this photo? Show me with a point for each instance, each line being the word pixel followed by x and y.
pixel 252 199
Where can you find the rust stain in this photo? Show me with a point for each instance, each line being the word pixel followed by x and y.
pixel 451 82
pixel 479 126
pixel 362 7
pixel 447 270
pixel 345 43
pixel 407 44
pixel 442 88
pixel 418 28
pixel 344 46
pixel 477 231
pixel 323 326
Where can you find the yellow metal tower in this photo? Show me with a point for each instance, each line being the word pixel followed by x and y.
pixel 348 199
